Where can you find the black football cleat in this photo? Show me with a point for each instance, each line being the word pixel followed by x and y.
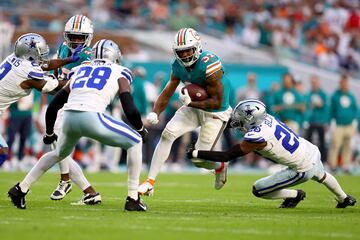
pixel 17 196
pixel 134 205
pixel 293 202
pixel 348 201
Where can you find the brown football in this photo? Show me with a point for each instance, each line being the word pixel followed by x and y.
pixel 196 92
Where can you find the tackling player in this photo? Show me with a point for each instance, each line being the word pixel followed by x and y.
pixel 90 89
pixel 192 64
pixel 272 139
pixel 23 71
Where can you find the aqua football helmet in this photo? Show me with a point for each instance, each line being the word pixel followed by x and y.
pixel 78 30
pixel 32 47
pixel 185 39
pixel 248 114
pixel 106 49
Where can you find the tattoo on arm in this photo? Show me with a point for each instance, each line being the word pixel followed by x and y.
pixel 215 90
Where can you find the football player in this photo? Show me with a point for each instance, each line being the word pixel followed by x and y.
pixel 192 64
pixel 272 139
pixel 87 94
pixel 78 33
pixel 23 71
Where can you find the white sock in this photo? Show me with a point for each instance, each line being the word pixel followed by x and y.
pixel 332 184
pixel 45 162
pixel 77 175
pixel 160 155
pixel 281 194
pixel 134 162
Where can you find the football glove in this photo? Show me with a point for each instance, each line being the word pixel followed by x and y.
pixel 152 118
pixel 75 55
pixel 185 97
pixel 50 138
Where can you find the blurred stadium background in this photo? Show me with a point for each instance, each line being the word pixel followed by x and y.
pixel 261 43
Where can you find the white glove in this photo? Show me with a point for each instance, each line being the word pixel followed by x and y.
pixel 152 118
pixel 185 98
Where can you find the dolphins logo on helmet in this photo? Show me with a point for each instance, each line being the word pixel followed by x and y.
pixel 78 30
pixel 185 39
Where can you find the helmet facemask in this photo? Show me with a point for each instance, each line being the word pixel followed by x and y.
pixel 188 60
pixel 73 40
pixel 187 39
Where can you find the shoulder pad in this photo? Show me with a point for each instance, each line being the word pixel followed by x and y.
pixel 210 63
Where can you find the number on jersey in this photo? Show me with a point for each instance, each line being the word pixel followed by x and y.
pixel 289 140
pixel 92 77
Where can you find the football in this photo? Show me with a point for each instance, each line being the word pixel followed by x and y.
pixel 196 92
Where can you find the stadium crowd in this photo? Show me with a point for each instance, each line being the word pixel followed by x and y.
pixel 325 33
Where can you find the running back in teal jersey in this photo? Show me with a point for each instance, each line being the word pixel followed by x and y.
pixel 207 64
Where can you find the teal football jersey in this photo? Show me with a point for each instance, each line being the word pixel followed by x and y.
pixel 207 64
pixel 65 52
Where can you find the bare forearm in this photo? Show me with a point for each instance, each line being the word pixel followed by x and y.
pixel 160 104
pixel 55 64
pixel 208 104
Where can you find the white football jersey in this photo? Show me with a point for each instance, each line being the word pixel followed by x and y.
pixel 283 145
pixel 94 85
pixel 13 71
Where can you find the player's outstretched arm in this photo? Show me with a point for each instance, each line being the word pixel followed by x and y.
pixel 237 150
pixel 57 63
pixel 46 85
pixel 215 90
pixel 163 100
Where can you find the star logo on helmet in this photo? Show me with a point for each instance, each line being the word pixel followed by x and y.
pixel 32 44
pixel 249 111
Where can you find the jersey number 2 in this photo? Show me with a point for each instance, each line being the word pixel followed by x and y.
pixel 289 136
pixel 94 78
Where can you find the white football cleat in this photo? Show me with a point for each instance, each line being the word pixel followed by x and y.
pixel 221 176
pixel 146 188
pixel 63 188
pixel 89 199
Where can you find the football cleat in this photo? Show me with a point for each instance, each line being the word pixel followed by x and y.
pixel 146 188
pixel 293 202
pixel 17 196
pixel 221 176
pixel 89 199
pixel 134 205
pixel 63 188
pixel 348 201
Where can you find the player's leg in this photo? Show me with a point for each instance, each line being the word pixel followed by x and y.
pixel 336 141
pixel 212 127
pixel 330 182
pixel 346 148
pixel 113 132
pixel 275 187
pixel 184 120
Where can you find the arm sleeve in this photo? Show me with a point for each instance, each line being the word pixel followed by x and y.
pixel 217 156
pixel 55 105
pixel 130 110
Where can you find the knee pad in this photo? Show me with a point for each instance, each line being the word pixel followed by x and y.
pixel 168 135
pixel 255 192
pixel 208 132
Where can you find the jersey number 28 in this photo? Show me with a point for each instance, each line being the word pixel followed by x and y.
pixel 290 140
pixel 92 77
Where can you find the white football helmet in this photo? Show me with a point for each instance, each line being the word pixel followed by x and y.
pixel 187 38
pixel 106 49
pixel 248 114
pixel 32 47
pixel 78 30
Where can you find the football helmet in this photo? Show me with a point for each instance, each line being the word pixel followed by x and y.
pixel 78 30
pixel 185 39
pixel 248 114
pixel 106 49
pixel 32 47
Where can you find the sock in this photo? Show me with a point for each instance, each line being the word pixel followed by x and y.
pixel 77 175
pixel 160 155
pixel 332 184
pixel 281 194
pixel 134 162
pixel 45 162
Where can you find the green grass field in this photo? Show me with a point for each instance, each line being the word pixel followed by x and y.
pixel 184 207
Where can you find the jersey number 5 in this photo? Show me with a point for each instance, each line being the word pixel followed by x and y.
pixel 94 78
pixel 289 136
